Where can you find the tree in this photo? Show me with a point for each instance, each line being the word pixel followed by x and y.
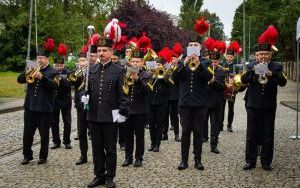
pixel 144 18
pixel 216 26
pixel 64 20
pixel 189 11
pixel 283 14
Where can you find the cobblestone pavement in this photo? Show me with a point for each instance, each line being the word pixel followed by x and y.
pixel 159 169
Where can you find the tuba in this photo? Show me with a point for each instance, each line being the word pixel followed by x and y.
pixel 30 73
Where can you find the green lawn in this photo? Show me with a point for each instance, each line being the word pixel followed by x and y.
pixel 9 87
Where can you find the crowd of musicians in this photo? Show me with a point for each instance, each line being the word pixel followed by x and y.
pixel 116 99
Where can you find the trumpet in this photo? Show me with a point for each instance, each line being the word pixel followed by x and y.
pixel 128 81
pixel 193 64
pixel 151 55
pixel 263 79
pixel 30 73
pixel 74 75
pixel 160 73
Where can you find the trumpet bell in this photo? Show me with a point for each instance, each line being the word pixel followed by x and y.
pixel 150 55
pixel 125 89
pixel 262 79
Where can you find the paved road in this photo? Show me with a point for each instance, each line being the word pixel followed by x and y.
pixel 160 169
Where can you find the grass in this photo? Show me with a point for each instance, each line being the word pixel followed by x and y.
pixel 9 87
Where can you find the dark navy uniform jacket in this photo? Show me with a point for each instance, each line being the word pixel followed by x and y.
pixel 40 94
pixel 63 96
pixel 193 90
pixel 261 96
pixel 105 90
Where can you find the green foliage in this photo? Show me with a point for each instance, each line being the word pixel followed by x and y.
pixel 65 21
pixel 70 65
pixel 283 14
pixel 190 11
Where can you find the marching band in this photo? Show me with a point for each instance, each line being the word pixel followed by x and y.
pixel 188 86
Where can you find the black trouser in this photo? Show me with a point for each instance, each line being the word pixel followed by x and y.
pixel 104 141
pixel 33 121
pixel 122 133
pixel 156 118
pixel 82 125
pixel 214 114
pixel 173 114
pixel 260 127
pixel 192 120
pixel 66 116
pixel 230 112
pixel 135 125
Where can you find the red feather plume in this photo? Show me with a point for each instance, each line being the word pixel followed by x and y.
pixel 165 54
pixel 120 45
pixel 219 46
pixel 49 45
pixel 177 49
pixel 95 39
pixel 269 36
pixel 209 43
pixel 62 50
pixel 235 46
pixel 201 26
pixel 144 43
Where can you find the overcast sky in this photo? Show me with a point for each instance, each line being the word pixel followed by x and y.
pixel 223 8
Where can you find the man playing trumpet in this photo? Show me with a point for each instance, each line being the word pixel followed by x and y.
pixel 39 104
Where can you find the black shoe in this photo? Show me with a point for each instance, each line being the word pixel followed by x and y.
pixel 111 184
pixel 248 166
pixel 68 146
pixel 96 182
pixel 55 146
pixel 215 150
pixel 151 148
pixel 198 165
pixel 81 161
pixel 138 163
pixel 177 138
pixel 183 165
pixel 172 128
pixel 205 140
pixel 26 160
pixel 266 167
pixel 127 162
pixel 42 161
pixel 156 149
pixel 164 137
pixel 229 129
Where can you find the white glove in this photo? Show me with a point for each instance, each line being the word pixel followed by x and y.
pixel 121 119
pixel 85 99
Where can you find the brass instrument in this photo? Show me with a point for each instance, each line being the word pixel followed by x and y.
pixel 159 73
pixel 128 81
pixel 193 64
pixel 74 75
pixel 150 55
pixel 30 73
pixel 263 79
